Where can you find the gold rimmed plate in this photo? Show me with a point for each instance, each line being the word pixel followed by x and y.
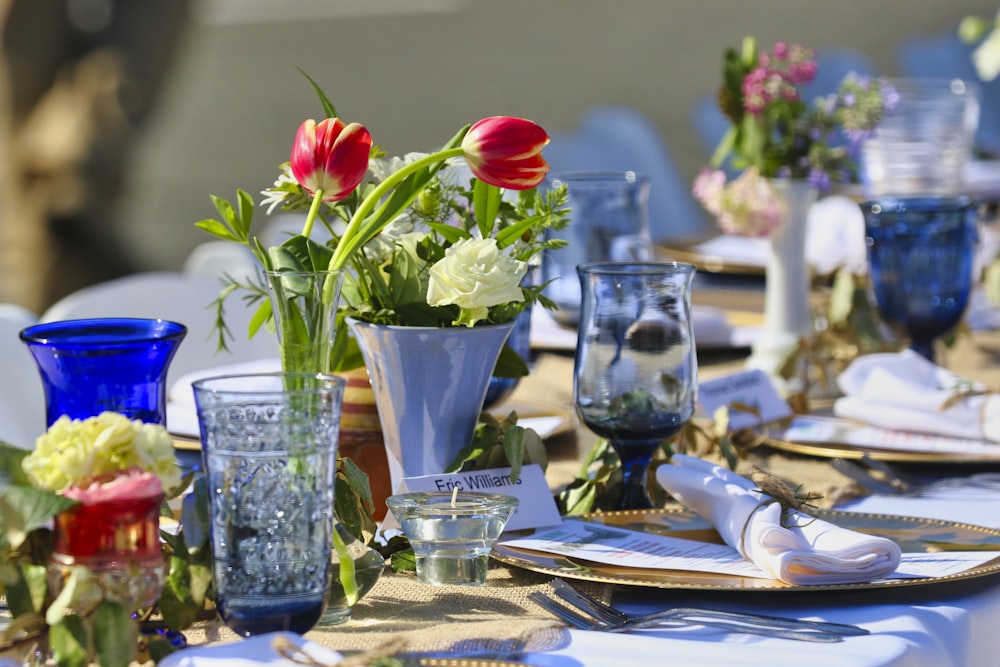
pixel 847 441
pixel 914 535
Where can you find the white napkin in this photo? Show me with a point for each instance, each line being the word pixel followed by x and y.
pixel 905 392
pixel 257 651
pixel 810 551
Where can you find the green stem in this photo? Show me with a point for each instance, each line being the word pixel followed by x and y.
pixel 347 244
pixel 313 210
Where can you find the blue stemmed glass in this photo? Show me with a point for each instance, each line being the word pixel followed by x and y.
pixel 104 364
pixel 920 253
pixel 636 371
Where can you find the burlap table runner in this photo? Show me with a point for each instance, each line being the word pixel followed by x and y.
pixel 438 618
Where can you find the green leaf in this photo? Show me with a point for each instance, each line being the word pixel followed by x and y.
pixel 328 108
pixel 513 447
pixel 260 317
pixel 194 516
pixel 404 561
pixel 69 642
pixel 10 464
pixel 24 508
pixel 510 364
pixel 116 634
pixel 449 233
pixel 486 204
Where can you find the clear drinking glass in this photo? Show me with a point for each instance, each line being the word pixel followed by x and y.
pixel 636 372
pixel 269 447
pixel 924 143
pixel 921 252
pixel 609 221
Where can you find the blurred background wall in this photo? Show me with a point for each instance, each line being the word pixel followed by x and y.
pixel 414 71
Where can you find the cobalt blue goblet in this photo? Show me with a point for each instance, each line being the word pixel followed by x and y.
pixel 104 364
pixel 920 253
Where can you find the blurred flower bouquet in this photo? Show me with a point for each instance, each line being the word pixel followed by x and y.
pixel 986 55
pixel 73 589
pixel 775 134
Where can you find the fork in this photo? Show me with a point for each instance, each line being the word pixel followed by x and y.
pixel 577 620
pixel 609 614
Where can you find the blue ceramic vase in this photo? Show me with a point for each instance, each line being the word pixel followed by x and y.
pixel 429 386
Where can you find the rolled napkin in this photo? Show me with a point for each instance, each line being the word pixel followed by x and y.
pixel 804 551
pixel 905 392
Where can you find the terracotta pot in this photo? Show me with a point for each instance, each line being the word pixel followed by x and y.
pixel 361 436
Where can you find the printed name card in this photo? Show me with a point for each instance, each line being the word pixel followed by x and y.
pixel 537 507
pixel 752 388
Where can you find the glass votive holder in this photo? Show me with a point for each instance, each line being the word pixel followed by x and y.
pixel 452 534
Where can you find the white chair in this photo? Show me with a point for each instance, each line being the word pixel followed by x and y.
pixel 22 403
pixel 178 297
pixel 217 259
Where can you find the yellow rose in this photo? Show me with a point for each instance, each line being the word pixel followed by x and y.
pixel 75 452
pixel 475 274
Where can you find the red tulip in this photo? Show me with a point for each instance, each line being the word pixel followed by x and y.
pixel 330 156
pixel 506 152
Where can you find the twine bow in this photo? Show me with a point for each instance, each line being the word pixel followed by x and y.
pixel 775 491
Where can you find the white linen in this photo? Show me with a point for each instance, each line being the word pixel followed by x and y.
pixel 256 651
pixel 808 551
pixel 905 392
pixel 182 416
pixel 711 330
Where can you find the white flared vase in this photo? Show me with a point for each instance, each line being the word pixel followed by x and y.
pixel 787 314
pixel 429 386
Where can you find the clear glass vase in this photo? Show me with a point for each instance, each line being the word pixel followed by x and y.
pixel 118 543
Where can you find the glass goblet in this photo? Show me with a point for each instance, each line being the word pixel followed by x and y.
pixel 635 376
pixel 921 252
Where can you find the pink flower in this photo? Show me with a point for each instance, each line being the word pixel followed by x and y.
pixel 129 485
pixel 330 156
pixel 506 152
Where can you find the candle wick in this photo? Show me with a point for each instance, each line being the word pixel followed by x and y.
pixel 454 496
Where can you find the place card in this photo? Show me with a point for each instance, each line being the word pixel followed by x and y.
pixel 629 548
pixel 536 507
pixel 752 388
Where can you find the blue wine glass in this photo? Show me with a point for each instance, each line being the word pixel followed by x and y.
pixel 921 252
pixel 636 371
pixel 104 364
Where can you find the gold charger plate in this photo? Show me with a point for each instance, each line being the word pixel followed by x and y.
pixel 841 450
pixel 913 535
pixel 711 263
pixel 838 451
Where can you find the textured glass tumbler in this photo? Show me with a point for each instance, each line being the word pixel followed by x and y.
pixel 104 364
pixel 452 535
pixel 636 372
pixel 269 451
pixel 921 252
pixel 924 143
pixel 609 220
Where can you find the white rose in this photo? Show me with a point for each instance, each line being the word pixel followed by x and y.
pixel 474 275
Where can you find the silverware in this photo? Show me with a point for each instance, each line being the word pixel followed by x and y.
pixel 881 478
pixel 582 622
pixel 609 614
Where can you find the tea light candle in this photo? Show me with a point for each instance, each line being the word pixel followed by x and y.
pixel 452 534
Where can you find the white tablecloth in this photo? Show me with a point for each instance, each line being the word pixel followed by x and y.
pixel 944 625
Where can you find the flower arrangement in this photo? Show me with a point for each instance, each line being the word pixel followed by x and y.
pixel 473 247
pixel 78 467
pixel 775 134
pixel 986 55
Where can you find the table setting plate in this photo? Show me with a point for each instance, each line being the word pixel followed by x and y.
pixel 851 440
pixel 913 534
